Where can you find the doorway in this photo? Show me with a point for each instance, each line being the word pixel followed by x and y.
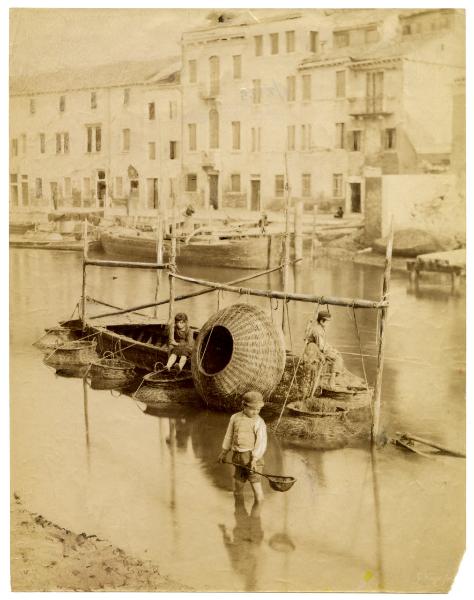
pixel 54 193
pixel 101 188
pixel 255 194
pixel 24 190
pixel 214 191
pixel 152 200
pixel 355 198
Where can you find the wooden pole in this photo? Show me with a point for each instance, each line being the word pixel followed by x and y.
pixel 381 339
pixel 298 229
pixel 159 254
pixel 120 311
pixel 84 265
pixel 313 233
pixel 172 269
pixel 124 263
pixel 287 239
pixel 332 300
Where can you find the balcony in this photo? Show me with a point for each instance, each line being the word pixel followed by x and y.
pixel 371 106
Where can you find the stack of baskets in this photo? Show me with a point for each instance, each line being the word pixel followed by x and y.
pixel 72 355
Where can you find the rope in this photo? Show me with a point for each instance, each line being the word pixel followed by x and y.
pixel 316 311
pixel 360 349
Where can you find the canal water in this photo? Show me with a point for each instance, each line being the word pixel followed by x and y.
pixel 355 520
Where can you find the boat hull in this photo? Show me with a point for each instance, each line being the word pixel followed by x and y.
pixel 254 252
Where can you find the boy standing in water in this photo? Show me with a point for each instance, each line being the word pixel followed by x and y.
pixel 246 436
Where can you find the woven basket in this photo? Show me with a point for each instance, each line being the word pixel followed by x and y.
pixel 113 369
pixel 56 336
pixel 167 396
pixel 238 349
pixel 73 354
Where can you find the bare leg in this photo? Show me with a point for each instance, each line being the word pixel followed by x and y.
pixel 238 487
pixel 182 362
pixel 257 491
pixel 171 360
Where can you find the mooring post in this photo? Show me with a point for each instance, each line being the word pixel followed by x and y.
pixel 286 260
pixel 159 254
pixel 313 231
pixel 381 339
pixel 298 224
pixel 172 268
pixel 84 266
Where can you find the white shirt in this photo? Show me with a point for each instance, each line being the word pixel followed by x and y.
pixel 258 428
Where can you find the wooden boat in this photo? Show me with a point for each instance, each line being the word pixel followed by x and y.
pixel 41 240
pixel 20 228
pixel 218 249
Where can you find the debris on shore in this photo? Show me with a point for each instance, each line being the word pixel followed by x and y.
pixel 47 558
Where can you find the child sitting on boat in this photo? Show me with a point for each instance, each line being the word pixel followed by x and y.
pixel 181 342
pixel 316 341
pixel 246 436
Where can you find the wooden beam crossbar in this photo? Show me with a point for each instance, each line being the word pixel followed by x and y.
pixel 333 301
pixel 121 263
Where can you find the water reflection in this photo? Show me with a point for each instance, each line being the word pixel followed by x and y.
pixel 243 544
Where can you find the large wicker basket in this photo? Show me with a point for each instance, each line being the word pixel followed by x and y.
pixel 72 354
pixel 56 336
pixel 237 350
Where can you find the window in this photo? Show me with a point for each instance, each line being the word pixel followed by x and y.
pixel 340 84
pixel 192 66
pixel 390 139
pixel 86 187
pixel 337 185
pixel 151 150
pixel 173 109
pixel 235 182
pixel 32 106
pixel 291 88
pixel 255 132
pixel 38 187
pixel 93 100
pixel 42 143
pixel 14 147
pixel 290 41
pixel 94 138
pixel 306 185
pixel 356 140
pixel 313 41
pixel 23 143
pixel 173 149
pixel 235 135
pixel 258 45
pixel 191 182
pixel 62 103
pixel 341 39
pixel 340 132
pixel 306 87
pixel 214 75
pixel 62 143
pixel 374 91
pixel 274 42
pixel 279 186
pixel 125 140
pixel 371 35
pixel 213 128
pixel 151 111
pixel 152 192
pixel 192 136
pixel 406 29
pixel 291 135
pixel 304 137
pixel 126 96
pixel 237 66
pixel 257 91
pixel 118 187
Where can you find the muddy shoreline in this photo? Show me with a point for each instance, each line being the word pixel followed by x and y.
pixel 47 557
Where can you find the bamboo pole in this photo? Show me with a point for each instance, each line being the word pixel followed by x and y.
pixel 287 239
pixel 313 232
pixel 123 311
pixel 172 269
pixel 298 225
pixel 84 264
pixel 381 338
pixel 332 300
pixel 123 263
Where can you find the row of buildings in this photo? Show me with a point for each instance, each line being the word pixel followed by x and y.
pixel 316 98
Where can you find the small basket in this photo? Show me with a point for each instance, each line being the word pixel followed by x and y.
pixel 56 336
pixel 165 379
pixel 279 483
pixel 114 369
pixel 71 354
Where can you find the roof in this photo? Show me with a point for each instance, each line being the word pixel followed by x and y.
pixel 110 75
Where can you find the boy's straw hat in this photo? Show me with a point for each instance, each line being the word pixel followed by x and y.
pixel 253 399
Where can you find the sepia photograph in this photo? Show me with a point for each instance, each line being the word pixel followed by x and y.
pixel 237 299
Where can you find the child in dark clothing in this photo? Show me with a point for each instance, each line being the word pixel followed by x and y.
pixel 181 343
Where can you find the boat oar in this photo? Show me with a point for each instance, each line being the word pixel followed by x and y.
pixel 278 483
